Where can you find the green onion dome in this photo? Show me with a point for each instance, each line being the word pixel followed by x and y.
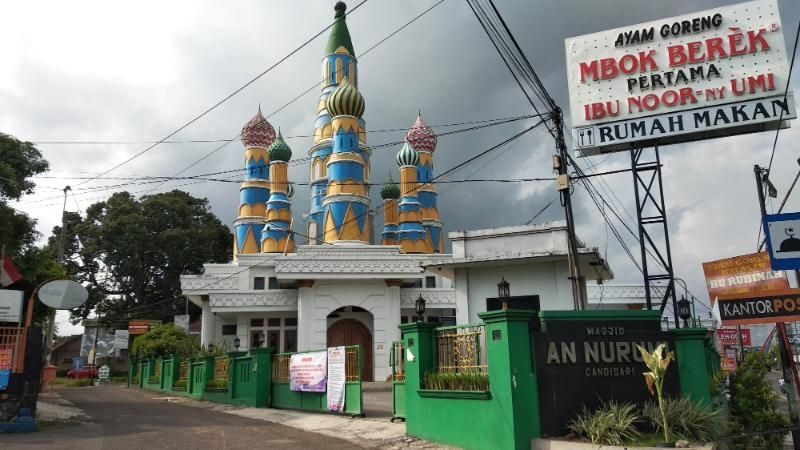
pixel 407 156
pixel 290 190
pixel 390 189
pixel 345 100
pixel 279 150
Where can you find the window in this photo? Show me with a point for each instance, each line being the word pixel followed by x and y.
pixel 273 283
pixel 430 282
pixel 258 283
pixel 274 340
pixel 257 322
pixel 274 322
pixel 290 321
pixel 229 330
pixel 403 319
pixel 290 340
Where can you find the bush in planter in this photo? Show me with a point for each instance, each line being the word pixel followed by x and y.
pixel 217 384
pixel 462 381
pixel 687 419
pixel 153 379
pixel 180 384
pixel 611 424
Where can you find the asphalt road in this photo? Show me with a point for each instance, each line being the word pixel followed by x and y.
pixel 127 418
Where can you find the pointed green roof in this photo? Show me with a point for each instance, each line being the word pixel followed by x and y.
pixel 340 36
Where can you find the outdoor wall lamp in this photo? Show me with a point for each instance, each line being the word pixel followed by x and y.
pixel 261 339
pixel 504 292
pixel 236 343
pixel 419 307
pixel 684 311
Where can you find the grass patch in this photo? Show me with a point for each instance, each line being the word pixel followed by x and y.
pixel 70 382
pixel 217 384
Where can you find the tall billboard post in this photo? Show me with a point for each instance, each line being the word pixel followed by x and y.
pixel 714 73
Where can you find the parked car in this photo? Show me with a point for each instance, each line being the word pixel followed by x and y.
pixel 83 372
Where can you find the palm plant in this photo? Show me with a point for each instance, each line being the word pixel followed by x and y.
pixel 657 362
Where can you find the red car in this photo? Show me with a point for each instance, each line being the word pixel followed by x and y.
pixel 83 372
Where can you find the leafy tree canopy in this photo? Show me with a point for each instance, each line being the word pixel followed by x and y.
pixel 130 253
pixel 165 340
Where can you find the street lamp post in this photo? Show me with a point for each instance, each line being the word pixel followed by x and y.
pixel 419 307
pixel 236 343
pixel 503 292
pixel 684 311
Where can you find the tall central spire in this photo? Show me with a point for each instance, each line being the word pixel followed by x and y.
pixel 338 64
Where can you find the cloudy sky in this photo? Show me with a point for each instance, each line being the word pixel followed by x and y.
pixel 118 75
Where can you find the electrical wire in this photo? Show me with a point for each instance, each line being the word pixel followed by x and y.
pixel 785 93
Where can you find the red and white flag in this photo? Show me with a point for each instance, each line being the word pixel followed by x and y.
pixel 8 272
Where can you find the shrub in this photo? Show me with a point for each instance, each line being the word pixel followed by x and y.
pixel 611 424
pixel 154 379
pixel 179 384
pixel 217 384
pixel 164 341
pixel 753 404
pixel 687 420
pixel 445 381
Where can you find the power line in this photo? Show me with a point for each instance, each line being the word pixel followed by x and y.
pixel 229 96
pixel 785 93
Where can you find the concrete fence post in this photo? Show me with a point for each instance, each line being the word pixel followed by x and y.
pixel 691 356
pixel 419 356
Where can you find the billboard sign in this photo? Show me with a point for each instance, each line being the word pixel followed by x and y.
pixel 713 73
pixel 742 274
pixel 120 339
pixel 10 305
pixel 141 326
pixel 759 307
pixel 308 372
pixel 783 246
pixel 730 337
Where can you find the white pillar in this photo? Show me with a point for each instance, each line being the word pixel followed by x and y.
pixel 207 325
pixel 462 297
pixel 392 313
pixel 305 319
pixel 243 331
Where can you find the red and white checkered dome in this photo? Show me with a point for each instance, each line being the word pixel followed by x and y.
pixel 421 136
pixel 258 132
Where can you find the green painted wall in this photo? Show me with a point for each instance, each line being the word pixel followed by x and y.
pixel 507 420
pixel 693 363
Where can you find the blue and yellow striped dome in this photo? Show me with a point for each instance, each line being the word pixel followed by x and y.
pixel 279 150
pixel 407 156
pixel 345 100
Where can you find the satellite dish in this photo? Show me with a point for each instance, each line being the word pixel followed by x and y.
pixel 63 294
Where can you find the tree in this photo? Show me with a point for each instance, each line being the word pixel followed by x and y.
pixel 165 340
pixel 130 253
pixel 753 404
pixel 19 162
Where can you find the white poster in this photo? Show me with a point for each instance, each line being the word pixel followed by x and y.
pixel 120 339
pixel 336 378
pixel 308 371
pixel 10 305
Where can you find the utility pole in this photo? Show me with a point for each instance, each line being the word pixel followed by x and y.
pixel 51 325
pixel 787 362
pixel 563 185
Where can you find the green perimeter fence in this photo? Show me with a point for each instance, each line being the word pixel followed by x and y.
pixel 283 397
pixel 256 378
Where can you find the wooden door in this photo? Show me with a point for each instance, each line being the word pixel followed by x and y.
pixel 353 332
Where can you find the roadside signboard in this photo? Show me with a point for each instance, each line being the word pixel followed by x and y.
pixel 713 73
pixel 120 339
pixel 783 245
pixel 104 374
pixel 728 362
pixel 141 326
pixel 308 371
pixel 337 378
pixel 742 274
pixel 759 307
pixel 730 337
pixel 10 305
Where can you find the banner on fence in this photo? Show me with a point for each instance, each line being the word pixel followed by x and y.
pixel 308 371
pixel 336 378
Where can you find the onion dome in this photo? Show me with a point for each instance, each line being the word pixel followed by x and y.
pixel 290 190
pixel 279 150
pixel 390 189
pixel 421 136
pixel 258 132
pixel 407 156
pixel 345 100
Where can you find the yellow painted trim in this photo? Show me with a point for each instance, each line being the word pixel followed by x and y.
pixel 257 210
pixel 250 245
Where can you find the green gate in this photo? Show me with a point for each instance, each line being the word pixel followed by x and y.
pixel 167 372
pixel 398 381
pixel 243 388
pixel 283 397
pixel 198 374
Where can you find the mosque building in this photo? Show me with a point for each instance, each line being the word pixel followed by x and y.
pixel 329 281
